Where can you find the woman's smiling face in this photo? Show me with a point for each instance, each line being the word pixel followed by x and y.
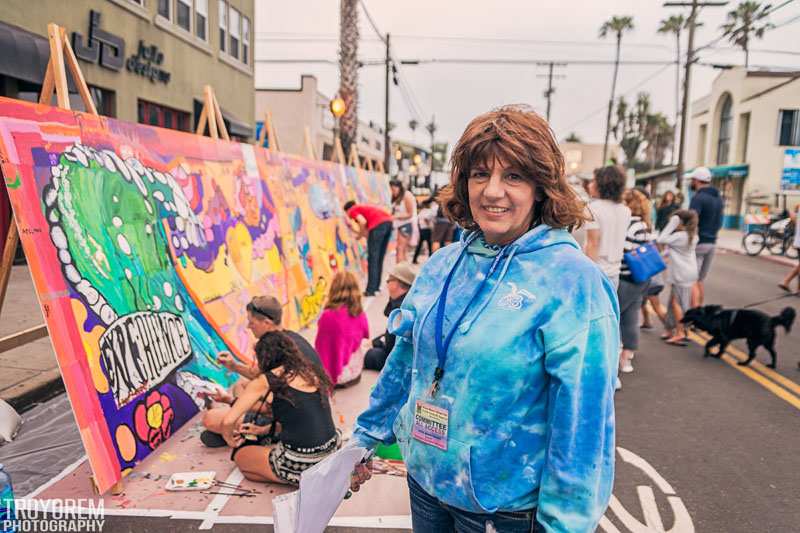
pixel 501 201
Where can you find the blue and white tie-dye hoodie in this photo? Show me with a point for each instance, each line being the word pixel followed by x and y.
pixel 528 381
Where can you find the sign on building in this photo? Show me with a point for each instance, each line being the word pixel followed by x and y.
pixel 790 180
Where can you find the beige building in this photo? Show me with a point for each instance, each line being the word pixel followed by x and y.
pixel 582 158
pixel 742 131
pixel 145 61
pixel 293 110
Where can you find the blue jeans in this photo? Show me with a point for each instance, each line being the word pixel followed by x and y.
pixel 429 515
pixel 377 242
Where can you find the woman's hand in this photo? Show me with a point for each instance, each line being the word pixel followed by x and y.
pixel 361 473
pixel 226 359
pixel 248 428
pixel 220 396
pixel 232 438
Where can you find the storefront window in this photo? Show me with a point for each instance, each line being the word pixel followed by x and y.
pixel 201 18
pixel 235 32
pixel 789 124
pixel 245 40
pixel 184 14
pixel 164 9
pixel 165 117
pixel 725 127
pixel 223 24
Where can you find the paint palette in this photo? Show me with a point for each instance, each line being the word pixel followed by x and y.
pixel 191 481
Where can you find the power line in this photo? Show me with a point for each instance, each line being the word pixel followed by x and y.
pixel 380 35
pixel 626 93
pixel 512 61
pixel 723 36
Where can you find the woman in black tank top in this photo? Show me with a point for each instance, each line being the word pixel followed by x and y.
pixel 299 395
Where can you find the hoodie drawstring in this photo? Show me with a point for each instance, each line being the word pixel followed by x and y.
pixel 468 323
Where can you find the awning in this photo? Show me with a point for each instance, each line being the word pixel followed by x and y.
pixel 730 171
pixel 236 126
pixel 24 55
pixel 657 173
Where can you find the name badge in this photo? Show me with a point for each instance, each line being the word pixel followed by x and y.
pixel 430 425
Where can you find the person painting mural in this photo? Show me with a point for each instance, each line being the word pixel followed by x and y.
pixel 376 225
pixel 499 390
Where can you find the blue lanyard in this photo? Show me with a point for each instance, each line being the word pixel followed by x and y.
pixel 442 342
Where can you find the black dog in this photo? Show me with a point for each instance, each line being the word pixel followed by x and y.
pixel 725 325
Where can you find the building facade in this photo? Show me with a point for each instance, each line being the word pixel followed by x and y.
pixel 743 130
pixel 293 110
pixel 144 61
pixel 582 158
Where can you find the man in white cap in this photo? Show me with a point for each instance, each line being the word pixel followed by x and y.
pixel 708 205
pixel 400 281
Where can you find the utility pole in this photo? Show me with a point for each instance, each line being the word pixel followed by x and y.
pixel 386 148
pixel 687 77
pixel 548 93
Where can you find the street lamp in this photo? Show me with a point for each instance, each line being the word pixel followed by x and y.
pixel 337 108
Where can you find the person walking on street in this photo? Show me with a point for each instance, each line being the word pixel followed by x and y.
pixel 666 207
pixel 680 238
pixel 427 218
pixel 631 293
pixel 707 203
pixel 376 225
pixel 605 233
pixel 795 272
pixel 499 390
pixel 404 213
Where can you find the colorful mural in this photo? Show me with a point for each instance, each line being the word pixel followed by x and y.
pixel 146 244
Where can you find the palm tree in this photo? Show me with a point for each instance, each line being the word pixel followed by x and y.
pixel 616 26
pixel 747 21
pixel 412 125
pixel 572 138
pixel 348 71
pixel 631 126
pixel 659 136
pixel 675 24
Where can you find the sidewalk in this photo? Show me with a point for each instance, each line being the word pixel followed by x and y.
pixel 730 240
pixel 28 374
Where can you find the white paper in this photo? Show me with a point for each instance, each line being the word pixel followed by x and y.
pixel 322 489
pixel 284 512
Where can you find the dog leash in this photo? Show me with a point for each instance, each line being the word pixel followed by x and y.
pixel 770 300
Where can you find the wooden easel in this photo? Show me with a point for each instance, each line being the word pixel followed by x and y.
pixel 212 115
pixel 354 160
pixel 380 168
pixel 308 146
pixel 55 80
pixel 268 133
pixel 338 152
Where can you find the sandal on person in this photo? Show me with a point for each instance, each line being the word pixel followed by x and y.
pixel 647 326
pixel 784 287
pixel 677 342
pixel 665 336
pixel 212 439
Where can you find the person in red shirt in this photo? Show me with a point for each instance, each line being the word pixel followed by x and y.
pixel 376 225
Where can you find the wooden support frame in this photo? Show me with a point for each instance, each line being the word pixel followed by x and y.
pixel 354 160
pixel 211 115
pixel 308 145
pixel 380 168
pixel 338 152
pixel 269 134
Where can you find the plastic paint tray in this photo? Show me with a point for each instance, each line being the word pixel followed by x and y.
pixel 191 481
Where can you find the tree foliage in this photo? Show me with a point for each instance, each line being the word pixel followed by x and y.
pixel 746 22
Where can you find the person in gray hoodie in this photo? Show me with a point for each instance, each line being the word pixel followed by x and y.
pixel 680 239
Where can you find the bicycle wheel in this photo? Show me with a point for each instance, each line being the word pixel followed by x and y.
pixel 754 242
pixel 775 243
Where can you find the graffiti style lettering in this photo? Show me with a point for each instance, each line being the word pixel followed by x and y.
pixel 140 350
pixel 311 304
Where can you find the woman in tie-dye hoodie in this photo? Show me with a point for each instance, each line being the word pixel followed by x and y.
pixel 499 390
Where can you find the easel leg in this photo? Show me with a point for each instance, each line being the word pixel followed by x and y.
pixel 7 261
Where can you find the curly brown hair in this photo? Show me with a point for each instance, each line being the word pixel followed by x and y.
pixel 275 349
pixel 638 204
pixel 610 181
pixel 522 139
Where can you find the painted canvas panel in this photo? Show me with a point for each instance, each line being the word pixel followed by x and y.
pixel 146 244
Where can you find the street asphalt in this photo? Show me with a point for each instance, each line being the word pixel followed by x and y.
pixel 702 446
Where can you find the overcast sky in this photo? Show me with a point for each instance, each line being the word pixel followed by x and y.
pixel 455 93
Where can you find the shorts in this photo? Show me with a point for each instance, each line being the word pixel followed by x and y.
pixel 289 462
pixel 705 254
pixel 405 230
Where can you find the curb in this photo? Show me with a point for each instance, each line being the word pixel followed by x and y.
pixel 781 260
pixel 50 385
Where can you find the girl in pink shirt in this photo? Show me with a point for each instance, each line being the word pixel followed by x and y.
pixel 340 330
